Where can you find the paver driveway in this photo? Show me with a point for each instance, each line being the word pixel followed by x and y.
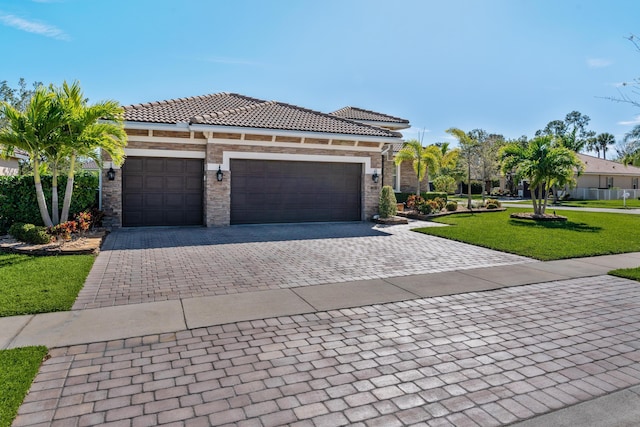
pixel 145 265
pixel 474 359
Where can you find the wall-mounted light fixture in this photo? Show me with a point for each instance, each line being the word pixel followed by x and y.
pixel 219 174
pixel 111 174
pixel 375 177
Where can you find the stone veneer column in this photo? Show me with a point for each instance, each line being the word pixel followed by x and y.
pixel 218 199
pixel 371 196
pixel 112 199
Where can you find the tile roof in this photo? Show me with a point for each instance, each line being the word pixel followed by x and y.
pixel 354 113
pixel 230 109
pixel 595 165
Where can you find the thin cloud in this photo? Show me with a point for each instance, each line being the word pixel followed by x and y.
pixel 33 27
pixel 598 62
pixel 635 121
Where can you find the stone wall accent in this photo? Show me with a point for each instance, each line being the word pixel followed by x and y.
pixel 217 199
pixel 112 199
pixel 408 179
pixel 371 197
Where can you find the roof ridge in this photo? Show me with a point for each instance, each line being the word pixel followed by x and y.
pixel 398 134
pixel 189 98
pixel 202 117
pixel 347 108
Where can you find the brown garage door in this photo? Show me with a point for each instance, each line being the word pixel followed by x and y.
pixel 265 191
pixel 161 191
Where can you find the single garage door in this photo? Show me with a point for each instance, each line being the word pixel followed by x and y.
pixel 264 191
pixel 161 191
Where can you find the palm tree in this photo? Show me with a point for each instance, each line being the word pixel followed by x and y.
pixel 35 130
pixel 603 141
pixel 632 141
pixel 468 148
pixel 545 163
pixel 448 157
pixel 421 157
pixel 88 129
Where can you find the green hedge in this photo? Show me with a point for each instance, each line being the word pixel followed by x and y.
pixel 18 197
pixel 402 197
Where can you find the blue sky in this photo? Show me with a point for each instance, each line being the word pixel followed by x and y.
pixel 508 66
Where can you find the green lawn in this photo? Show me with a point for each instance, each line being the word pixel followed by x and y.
pixel 30 284
pixel 18 368
pixel 612 204
pixel 627 273
pixel 584 234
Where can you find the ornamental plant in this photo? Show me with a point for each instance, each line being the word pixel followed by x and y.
pixel 387 205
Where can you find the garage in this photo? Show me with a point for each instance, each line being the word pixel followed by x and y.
pixel 160 191
pixel 266 191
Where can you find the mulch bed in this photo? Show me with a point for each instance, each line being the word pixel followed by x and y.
pixel 533 217
pixel 89 243
pixel 461 210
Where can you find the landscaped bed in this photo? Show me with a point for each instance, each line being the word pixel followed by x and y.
pixel 583 234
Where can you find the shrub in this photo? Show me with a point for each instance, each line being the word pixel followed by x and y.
pixel 424 207
pixel 492 202
pixel 64 229
pixel 491 206
pixel 413 201
pixel 452 206
pixel 387 204
pixel 434 195
pixel 18 197
pixel 445 184
pixel 440 203
pixel 30 233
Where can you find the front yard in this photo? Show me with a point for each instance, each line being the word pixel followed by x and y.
pixel 40 284
pixel 584 234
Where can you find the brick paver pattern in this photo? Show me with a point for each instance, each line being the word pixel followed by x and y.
pixel 475 359
pixel 146 265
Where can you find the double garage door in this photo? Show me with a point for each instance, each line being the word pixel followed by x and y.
pixel 264 191
pixel 169 191
pixel 162 191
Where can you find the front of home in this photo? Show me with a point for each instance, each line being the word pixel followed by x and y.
pixel 601 179
pixel 225 159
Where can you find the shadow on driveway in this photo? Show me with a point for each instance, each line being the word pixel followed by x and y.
pixel 166 237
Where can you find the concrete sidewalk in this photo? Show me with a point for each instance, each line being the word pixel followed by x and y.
pixel 87 327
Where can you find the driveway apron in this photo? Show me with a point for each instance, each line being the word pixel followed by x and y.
pixel 156 264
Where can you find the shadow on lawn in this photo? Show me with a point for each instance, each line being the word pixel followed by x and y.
pixel 556 225
pixel 9 259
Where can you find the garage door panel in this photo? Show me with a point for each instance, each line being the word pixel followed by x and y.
pixel 264 191
pixel 162 191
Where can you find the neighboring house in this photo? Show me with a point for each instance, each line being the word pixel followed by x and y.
pixel 225 159
pixel 11 165
pixel 601 174
pixel 401 177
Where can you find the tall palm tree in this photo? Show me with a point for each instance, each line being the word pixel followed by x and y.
pixel 545 163
pixel 87 130
pixel 632 140
pixel 469 149
pixel 603 141
pixel 34 130
pixel 422 158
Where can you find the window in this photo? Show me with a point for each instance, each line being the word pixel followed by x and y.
pixel 634 183
pixel 609 181
pixel 396 177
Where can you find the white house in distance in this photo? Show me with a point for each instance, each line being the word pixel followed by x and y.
pixel 10 165
pixel 605 179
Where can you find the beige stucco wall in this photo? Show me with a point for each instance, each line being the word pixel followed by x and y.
pixel 600 181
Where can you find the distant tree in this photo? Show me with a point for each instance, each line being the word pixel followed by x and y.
pixel 18 97
pixel 629 151
pixel 545 163
pixel 448 170
pixel 603 141
pixel 488 164
pixel 469 152
pixel 422 159
pixel 572 132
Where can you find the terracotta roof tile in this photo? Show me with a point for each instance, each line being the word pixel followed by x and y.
pixel 230 109
pixel 354 113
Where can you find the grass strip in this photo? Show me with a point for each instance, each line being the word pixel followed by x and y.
pixel 18 368
pixel 40 284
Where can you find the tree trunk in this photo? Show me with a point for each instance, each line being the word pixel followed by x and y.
pixel 534 201
pixel 66 204
pixel 54 196
pixel 42 203
pixel 469 185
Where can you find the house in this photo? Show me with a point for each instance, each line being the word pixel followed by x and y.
pixel 11 165
pixel 602 177
pixel 226 158
pixel 402 177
